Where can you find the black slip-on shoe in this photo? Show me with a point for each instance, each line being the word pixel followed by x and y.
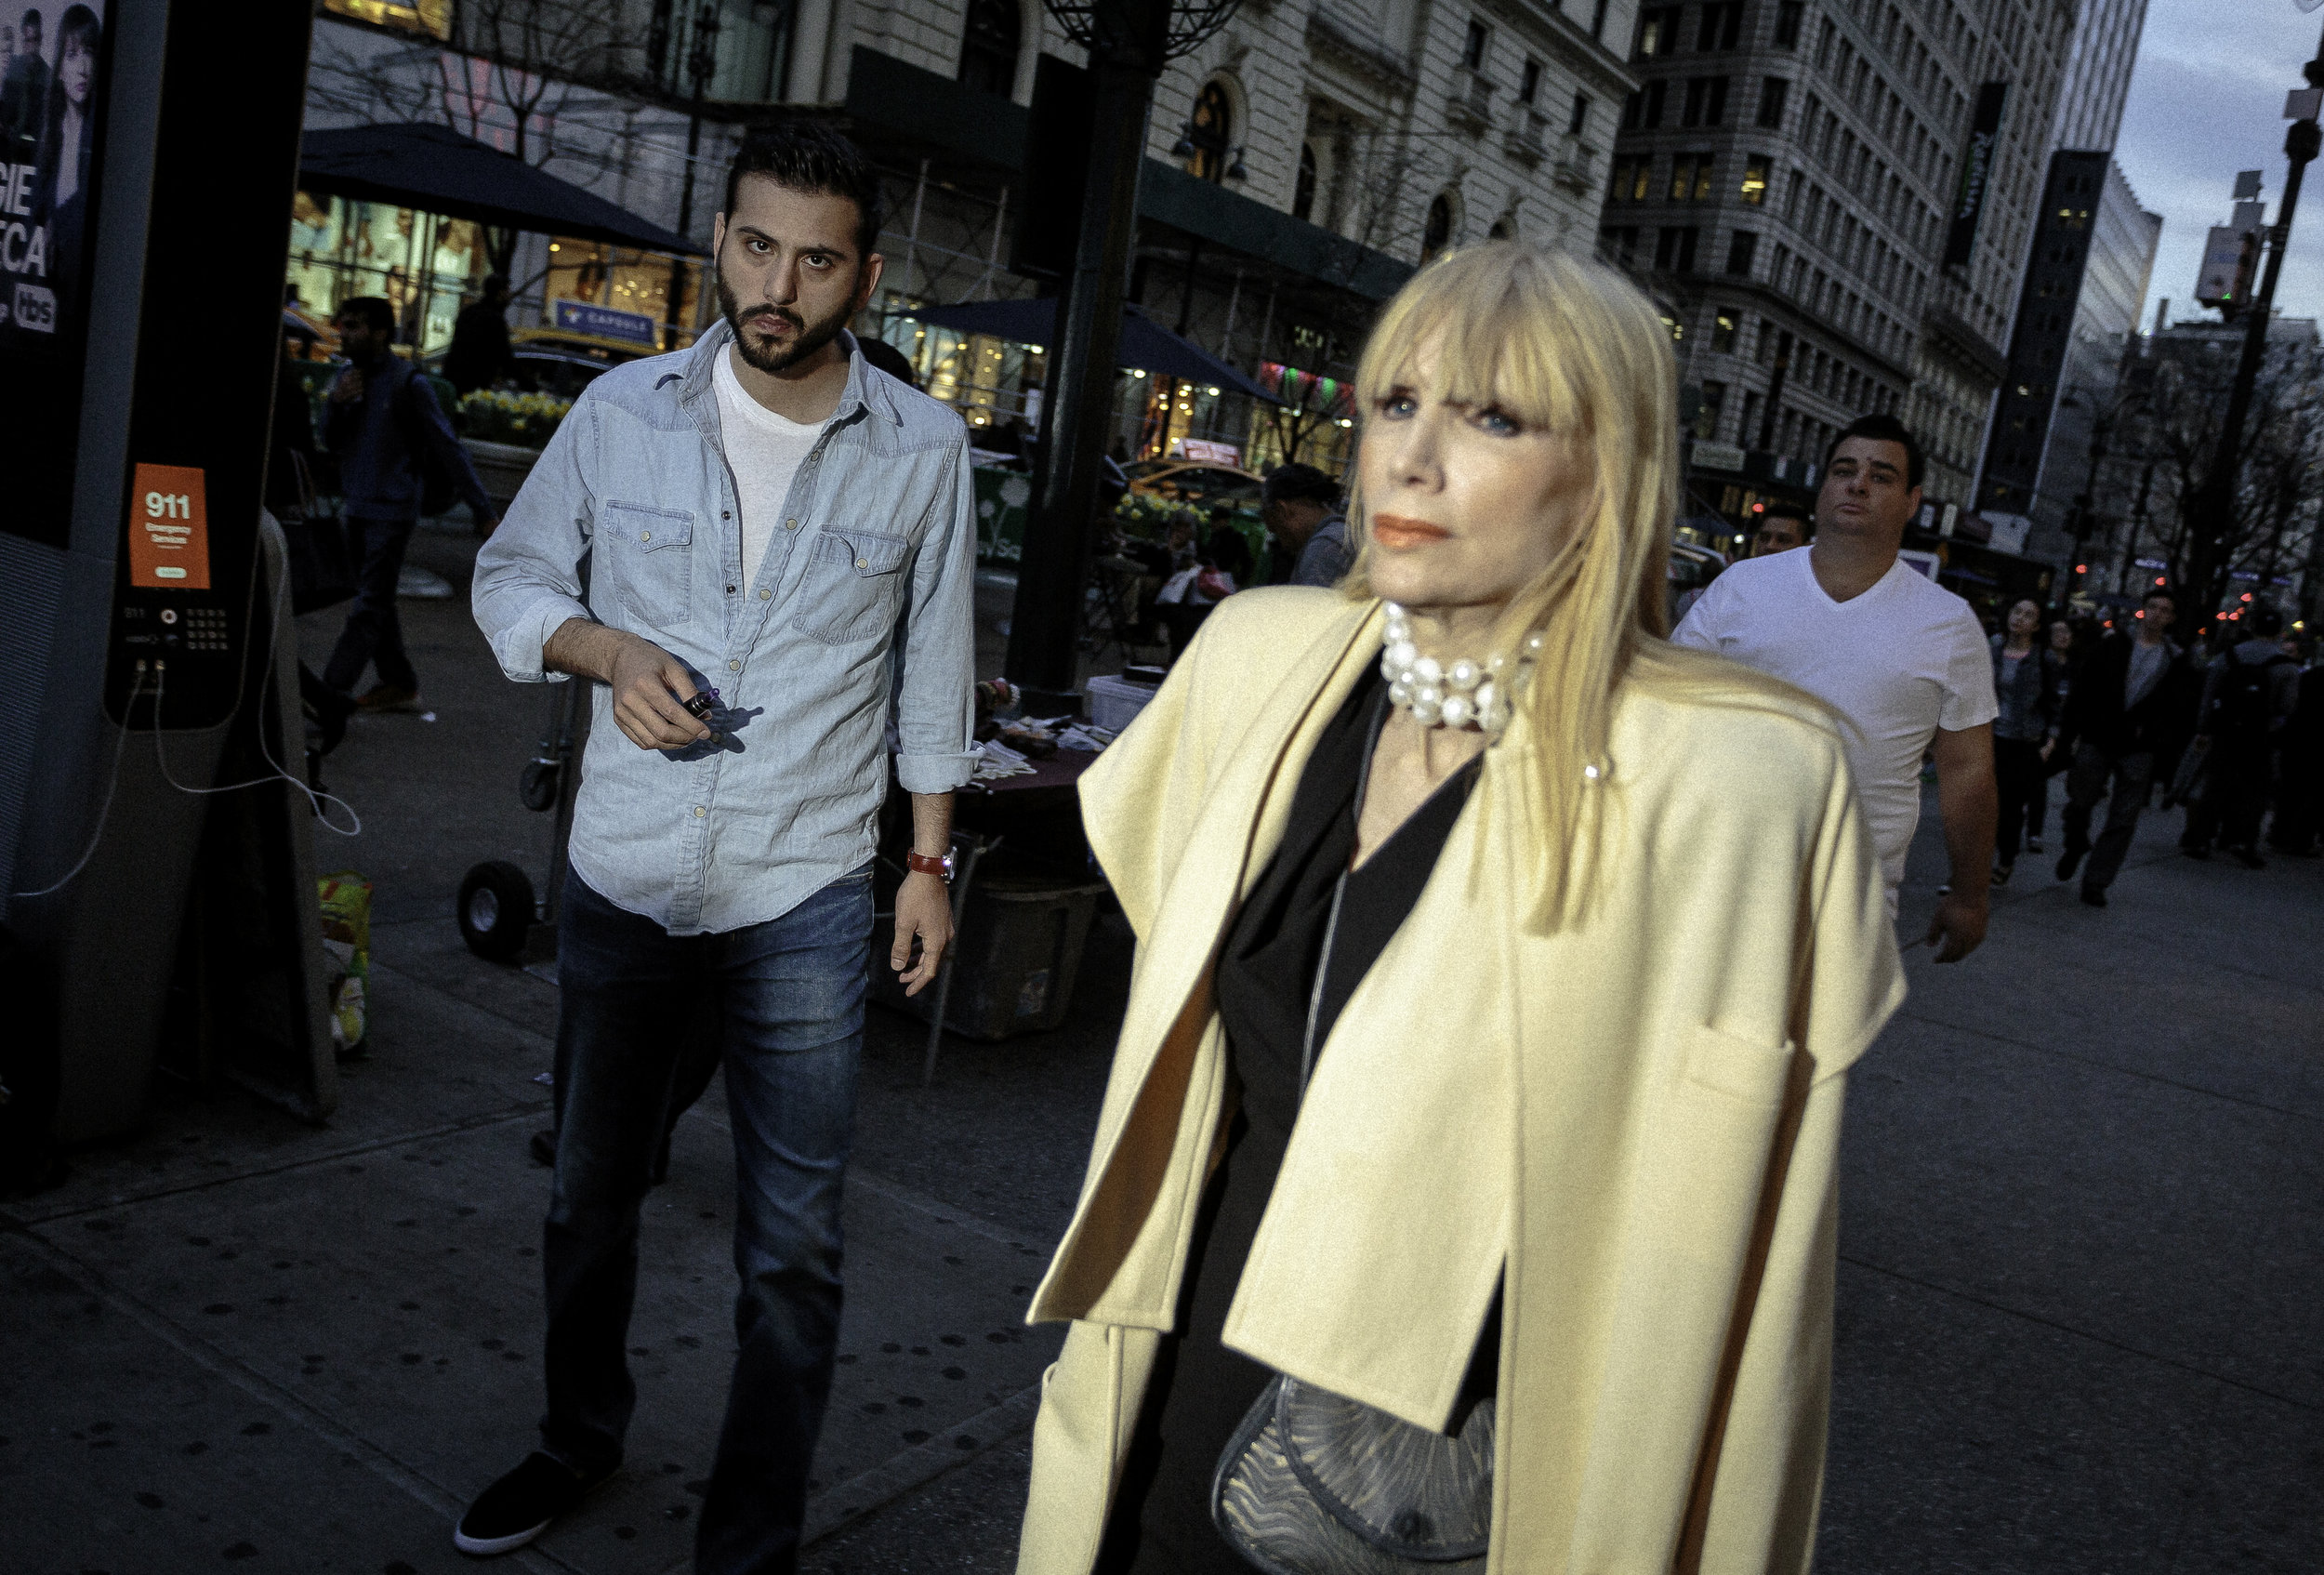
pixel 2094 895
pixel 520 1506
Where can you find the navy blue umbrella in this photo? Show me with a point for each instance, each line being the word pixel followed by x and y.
pixel 1146 346
pixel 436 169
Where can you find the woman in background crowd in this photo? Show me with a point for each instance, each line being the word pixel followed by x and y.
pixel 2025 733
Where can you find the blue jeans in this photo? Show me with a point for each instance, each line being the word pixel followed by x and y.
pixel 785 998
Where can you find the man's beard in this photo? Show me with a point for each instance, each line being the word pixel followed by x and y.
pixel 807 339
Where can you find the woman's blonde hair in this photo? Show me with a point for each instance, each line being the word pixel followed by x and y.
pixel 1568 345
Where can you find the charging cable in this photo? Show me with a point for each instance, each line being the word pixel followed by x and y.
pixel 105 809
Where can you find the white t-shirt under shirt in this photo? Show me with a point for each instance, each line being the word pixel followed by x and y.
pixel 764 450
pixel 1898 662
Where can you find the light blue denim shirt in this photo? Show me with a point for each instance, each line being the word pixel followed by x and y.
pixel 864 597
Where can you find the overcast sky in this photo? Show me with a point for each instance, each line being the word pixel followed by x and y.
pixel 2206 100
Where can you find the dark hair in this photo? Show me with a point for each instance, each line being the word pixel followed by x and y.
pixel 1792 511
pixel 1295 483
pixel 806 155
pixel 893 361
pixel 496 282
pixel 2263 620
pixel 375 312
pixel 2165 592
pixel 30 19
pixel 1885 429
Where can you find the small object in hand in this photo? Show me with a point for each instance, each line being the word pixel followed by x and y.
pixel 702 705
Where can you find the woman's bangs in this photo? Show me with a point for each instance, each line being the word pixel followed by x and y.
pixel 1499 351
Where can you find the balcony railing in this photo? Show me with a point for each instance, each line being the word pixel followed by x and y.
pixel 1472 104
pixel 1529 138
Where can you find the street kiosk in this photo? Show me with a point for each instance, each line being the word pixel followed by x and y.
pixel 162 913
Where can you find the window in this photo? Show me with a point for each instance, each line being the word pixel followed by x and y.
pixel 1748 434
pixel 1658 31
pixel 1472 48
pixel 1706 101
pixel 1643 110
pixel 1773 93
pixel 1742 247
pixel 1707 409
pixel 1619 244
pixel 1597 19
pixel 1754 179
pixel 1579 120
pixel 1674 249
pixel 1723 326
pixel 1303 191
pixel 1722 21
pixel 1212 132
pixel 1788 24
pixel 1690 176
pixel 1631 175
pixel 990 46
pixel 1529 81
pixel 1437 234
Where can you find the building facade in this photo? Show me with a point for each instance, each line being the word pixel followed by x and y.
pixel 1788 183
pixel 1301 162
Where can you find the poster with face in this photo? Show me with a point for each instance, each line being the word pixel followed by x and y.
pixel 53 64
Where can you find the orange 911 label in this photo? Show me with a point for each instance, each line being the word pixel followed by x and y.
pixel 169 529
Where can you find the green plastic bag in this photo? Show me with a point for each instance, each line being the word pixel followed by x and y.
pixel 346 939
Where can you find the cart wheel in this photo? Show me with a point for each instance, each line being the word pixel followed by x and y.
pixel 537 786
pixel 496 909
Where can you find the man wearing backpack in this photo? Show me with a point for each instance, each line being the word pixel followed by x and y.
pixel 2248 695
pixel 397 459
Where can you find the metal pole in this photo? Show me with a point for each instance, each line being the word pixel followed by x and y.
pixel 2216 503
pixel 1044 624
pixel 912 241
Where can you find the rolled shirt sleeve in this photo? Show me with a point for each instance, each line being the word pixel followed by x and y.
pixel 528 572
pixel 936 686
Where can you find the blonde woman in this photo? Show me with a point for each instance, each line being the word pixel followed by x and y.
pixel 1557 942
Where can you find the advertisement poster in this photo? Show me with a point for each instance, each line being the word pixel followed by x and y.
pixel 1976 168
pixel 54 61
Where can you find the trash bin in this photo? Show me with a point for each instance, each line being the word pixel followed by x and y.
pixel 1015 959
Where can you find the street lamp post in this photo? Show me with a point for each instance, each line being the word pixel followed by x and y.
pixel 702 63
pixel 2215 504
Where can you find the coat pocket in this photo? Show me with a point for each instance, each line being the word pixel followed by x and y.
pixel 655 560
pixel 853 585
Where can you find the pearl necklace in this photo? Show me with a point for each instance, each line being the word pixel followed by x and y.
pixel 1459 694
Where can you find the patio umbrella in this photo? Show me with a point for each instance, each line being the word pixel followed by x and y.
pixel 435 168
pixel 1146 346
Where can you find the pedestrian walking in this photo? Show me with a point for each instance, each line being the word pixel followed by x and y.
pixel 783 544
pixel 2300 772
pixel 381 419
pixel 2064 659
pixel 1362 902
pixel 2127 716
pixel 481 353
pixel 1301 508
pixel 2250 693
pixel 1903 661
pixel 2024 730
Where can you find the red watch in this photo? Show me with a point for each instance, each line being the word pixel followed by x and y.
pixel 921 864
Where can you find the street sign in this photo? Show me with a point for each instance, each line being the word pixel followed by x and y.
pixel 2303 104
pixel 583 317
pixel 2247 184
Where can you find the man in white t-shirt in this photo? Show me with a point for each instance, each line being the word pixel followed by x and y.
pixel 1904 661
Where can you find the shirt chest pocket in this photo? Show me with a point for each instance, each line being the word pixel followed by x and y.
pixel 854 587
pixel 655 560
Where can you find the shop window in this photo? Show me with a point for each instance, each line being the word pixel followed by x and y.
pixel 990 46
pixel 1303 189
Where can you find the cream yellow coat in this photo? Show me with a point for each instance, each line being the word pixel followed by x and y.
pixel 1639 1116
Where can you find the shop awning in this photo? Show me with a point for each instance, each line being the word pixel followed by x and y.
pixel 436 169
pixel 1146 346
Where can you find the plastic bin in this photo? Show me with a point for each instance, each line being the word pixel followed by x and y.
pixel 1114 701
pixel 1016 958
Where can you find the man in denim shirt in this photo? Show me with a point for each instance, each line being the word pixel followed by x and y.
pixel 722 854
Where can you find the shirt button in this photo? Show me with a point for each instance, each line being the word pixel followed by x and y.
pixel 790 524
pixel 645 535
pixel 726 513
pixel 729 590
pixel 733 666
pixel 697 812
pixel 862 563
pixel 764 594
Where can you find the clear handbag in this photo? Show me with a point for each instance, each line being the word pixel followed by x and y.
pixel 1314 1483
